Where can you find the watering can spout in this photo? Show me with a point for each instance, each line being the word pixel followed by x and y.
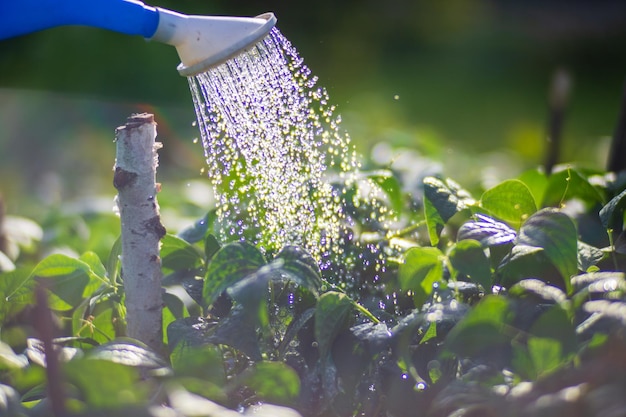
pixel 201 41
pixel 206 41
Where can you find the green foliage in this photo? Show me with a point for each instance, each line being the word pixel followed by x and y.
pixel 522 285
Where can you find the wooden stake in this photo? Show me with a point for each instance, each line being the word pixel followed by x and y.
pixel 135 180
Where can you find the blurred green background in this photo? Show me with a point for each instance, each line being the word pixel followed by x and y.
pixel 451 79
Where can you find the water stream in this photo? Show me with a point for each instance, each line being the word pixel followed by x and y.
pixel 272 141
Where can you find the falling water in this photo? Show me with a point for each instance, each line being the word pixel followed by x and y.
pixel 271 141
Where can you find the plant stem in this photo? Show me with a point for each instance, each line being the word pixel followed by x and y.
pixel 44 325
pixel 135 181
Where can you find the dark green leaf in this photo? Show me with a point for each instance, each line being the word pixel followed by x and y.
pixel 555 233
pixel 483 328
pixel 422 267
pixel 177 254
pixel 211 246
pixel 300 267
pixel 487 231
pixel 230 264
pixel 442 200
pixel 332 315
pixel 545 292
pixel 588 256
pixel 510 201
pixel 612 214
pixel 555 324
pixel 468 257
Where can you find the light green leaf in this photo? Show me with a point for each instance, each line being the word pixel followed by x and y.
pixel 69 280
pixel 510 201
pixel 274 382
pixel 546 354
pixel 422 267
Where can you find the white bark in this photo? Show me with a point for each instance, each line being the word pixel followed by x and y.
pixel 135 181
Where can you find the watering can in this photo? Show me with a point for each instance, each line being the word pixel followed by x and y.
pixel 202 42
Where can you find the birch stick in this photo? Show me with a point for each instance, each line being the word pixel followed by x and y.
pixel 135 180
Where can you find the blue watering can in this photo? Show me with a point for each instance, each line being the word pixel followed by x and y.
pixel 201 41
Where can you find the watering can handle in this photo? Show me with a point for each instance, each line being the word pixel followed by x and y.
pixel 20 17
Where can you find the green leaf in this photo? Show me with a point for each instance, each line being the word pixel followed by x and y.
pixel 230 264
pixel 487 231
pixel 442 200
pixel 568 184
pixel 588 256
pixel 332 315
pixel 114 260
pixel 196 232
pixel 300 267
pixel 177 254
pixel 555 324
pixel 468 257
pixel 612 214
pixel 391 187
pixel 104 384
pixel 546 354
pixel 274 382
pixel 510 201
pixel 211 246
pixel 203 362
pixel 69 280
pixel 422 267
pixel 16 292
pixel 483 328
pixel 127 352
pixel 555 233
pixel 537 183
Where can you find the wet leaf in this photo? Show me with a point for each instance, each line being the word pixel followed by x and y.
pixel 299 266
pixel 487 231
pixel 510 201
pixel 332 315
pixel 230 264
pixel 196 232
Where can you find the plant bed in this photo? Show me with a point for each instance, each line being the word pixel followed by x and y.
pixel 508 301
